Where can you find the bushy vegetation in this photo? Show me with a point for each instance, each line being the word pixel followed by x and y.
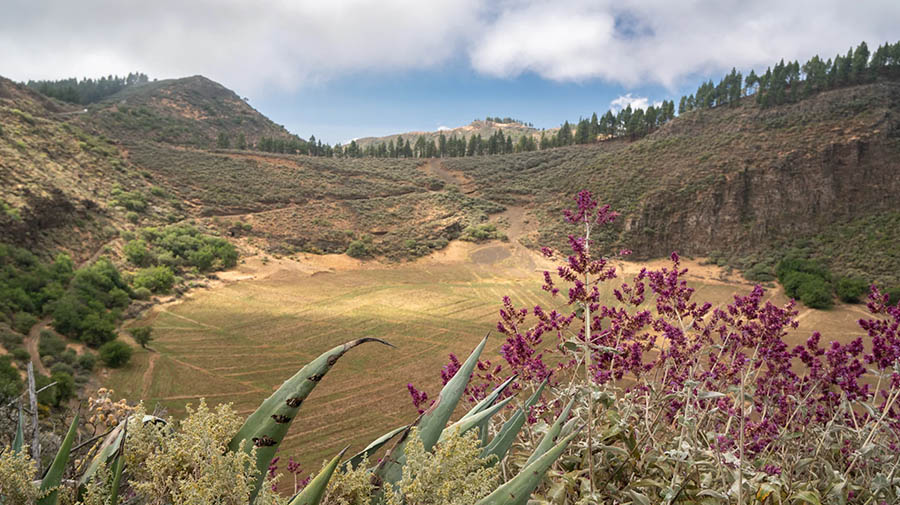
pixel 176 247
pixel 158 279
pixel 115 354
pixel 90 308
pixel 482 232
pixel 29 286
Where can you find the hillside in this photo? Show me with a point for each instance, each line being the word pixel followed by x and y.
pixel 741 184
pixel 59 184
pixel 192 111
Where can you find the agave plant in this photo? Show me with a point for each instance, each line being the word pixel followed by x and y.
pixel 264 430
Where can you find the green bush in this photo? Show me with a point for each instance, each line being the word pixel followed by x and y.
pixel 21 354
pixel 893 295
pixel 87 361
pixel 10 381
pixel 130 200
pixel 360 249
pixel 23 321
pixel 49 396
pixel 50 345
pixel 158 279
pixel 851 289
pixel 142 293
pixel 10 339
pixel 138 254
pixel 62 368
pixel 482 232
pixel 115 354
pixel 816 293
pixel 142 335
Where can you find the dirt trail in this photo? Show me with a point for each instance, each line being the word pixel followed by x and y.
pixel 31 343
pixel 436 168
pixel 147 378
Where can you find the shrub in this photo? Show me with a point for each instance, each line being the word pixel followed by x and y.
pixel 137 253
pixel 359 249
pixel 482 232
pixel 159 279
pixel 142 335
pixel 50 345
pixel 10 381
pixel 62 367
pixel 49 396
pixel 21 354
pixel 893 295
pixel 87 361
pixel 23 321
pixel 10 339
pixel 142 293
pixel 849 290
pixel 115 354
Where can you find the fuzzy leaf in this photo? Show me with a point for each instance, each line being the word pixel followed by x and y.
pixel 313 492
pixel 265 429
pixel 54 475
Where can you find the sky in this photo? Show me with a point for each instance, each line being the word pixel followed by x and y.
pixel 343 69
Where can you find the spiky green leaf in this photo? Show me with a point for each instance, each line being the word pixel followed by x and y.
pixel 491 398
pixel 19 441
pixel 467 423
pixel 265 429
pixel 118 467
pixel 551 435
pixel 517 490
pixel 370 449
pixel 501 443
pixel 433 421
pixel 313 492
pixel 51 480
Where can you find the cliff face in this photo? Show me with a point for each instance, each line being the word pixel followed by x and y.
pixel 785 173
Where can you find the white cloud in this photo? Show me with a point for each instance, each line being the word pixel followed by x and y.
pixel 636 102
pixel 292 43
pixel 662 42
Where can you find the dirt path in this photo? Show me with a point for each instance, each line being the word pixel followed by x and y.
pixel 31 343
pixel 436 168
pixel 147 379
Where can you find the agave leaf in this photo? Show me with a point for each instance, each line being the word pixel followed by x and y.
pixel 110 447
pixel 432 422
pixel 313 492
pixel 20 433
pixel 501 443
pixel 467 423
pixel 266 428
pixel 517 490
pixel 118 467
pixel 370 449
pixel 551 435
pixel 487 402
pixel 491 398
pixel 51 480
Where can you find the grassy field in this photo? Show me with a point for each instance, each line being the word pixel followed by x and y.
pixel 238 342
